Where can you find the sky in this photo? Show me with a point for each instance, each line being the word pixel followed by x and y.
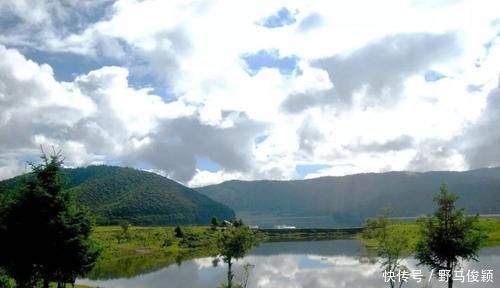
pixel 208 91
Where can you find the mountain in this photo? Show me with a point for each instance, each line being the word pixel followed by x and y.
pixel 142 198
pixel 349 200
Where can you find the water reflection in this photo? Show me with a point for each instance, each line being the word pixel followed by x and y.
pixel 294 264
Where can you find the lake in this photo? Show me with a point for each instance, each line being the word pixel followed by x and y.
pixel 335 263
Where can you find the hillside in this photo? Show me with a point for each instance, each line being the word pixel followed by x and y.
pixel 142 198
pixel 348 200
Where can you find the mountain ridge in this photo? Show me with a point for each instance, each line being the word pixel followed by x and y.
pixel 408 172
pixel 351 199
pixel 143 198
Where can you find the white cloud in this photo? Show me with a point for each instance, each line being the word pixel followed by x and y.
pixel 204 178
pixel 10 167
pixel 93 119
pixel 191 51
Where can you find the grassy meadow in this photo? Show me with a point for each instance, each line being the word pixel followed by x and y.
pixel 488 227
pixel 142 249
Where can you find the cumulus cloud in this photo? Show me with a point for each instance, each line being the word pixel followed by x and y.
pixel 436 155
pixel 42 24
pixel 377 69
pixel 481 139
pixel 174 146
pixel 98 117
pixel 169 83
pixel 400 143
pixel 33 102
pixel 309 136
pixel 10 166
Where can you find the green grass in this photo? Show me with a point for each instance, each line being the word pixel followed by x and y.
pixel 144 249
pixel 489 227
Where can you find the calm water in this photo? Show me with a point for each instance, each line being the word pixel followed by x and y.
pixel 331 264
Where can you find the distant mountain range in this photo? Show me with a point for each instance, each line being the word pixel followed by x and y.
pixel 142 198
pixel 349 200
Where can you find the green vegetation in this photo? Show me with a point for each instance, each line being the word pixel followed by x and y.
pixel 447 236
pixel 149 248
pixel 411 229
pixel 349 200
pixel 489 229
pixel 116 194
pixel 440 240
pixel 392 246
pixel 233 243
pixel 5 281
pixel 44 237
pixel 178 232
pixel 214 222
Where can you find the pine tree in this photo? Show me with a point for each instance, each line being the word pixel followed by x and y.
pixel 447 236
pixel 178 232
pixel 214 222
pixel 44 236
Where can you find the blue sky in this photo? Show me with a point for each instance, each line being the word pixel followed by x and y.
pixel 271 59
pixel 431 76
pixel 304 170
pixel 282 17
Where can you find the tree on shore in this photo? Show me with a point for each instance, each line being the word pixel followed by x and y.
pixel 214 222
pixel 178 232
pixel 234 243
pixel 392 245
pixel 447 236
pixel 238 223
pixel 44 236
pixel 125 226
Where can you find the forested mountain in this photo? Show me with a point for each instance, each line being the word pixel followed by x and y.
pixel 348 200
pixel 142 198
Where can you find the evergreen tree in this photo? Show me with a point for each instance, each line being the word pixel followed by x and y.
pixel 447 236
pixel 44 237
pixel 238 223
pixel 178 232
pixel 214 222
